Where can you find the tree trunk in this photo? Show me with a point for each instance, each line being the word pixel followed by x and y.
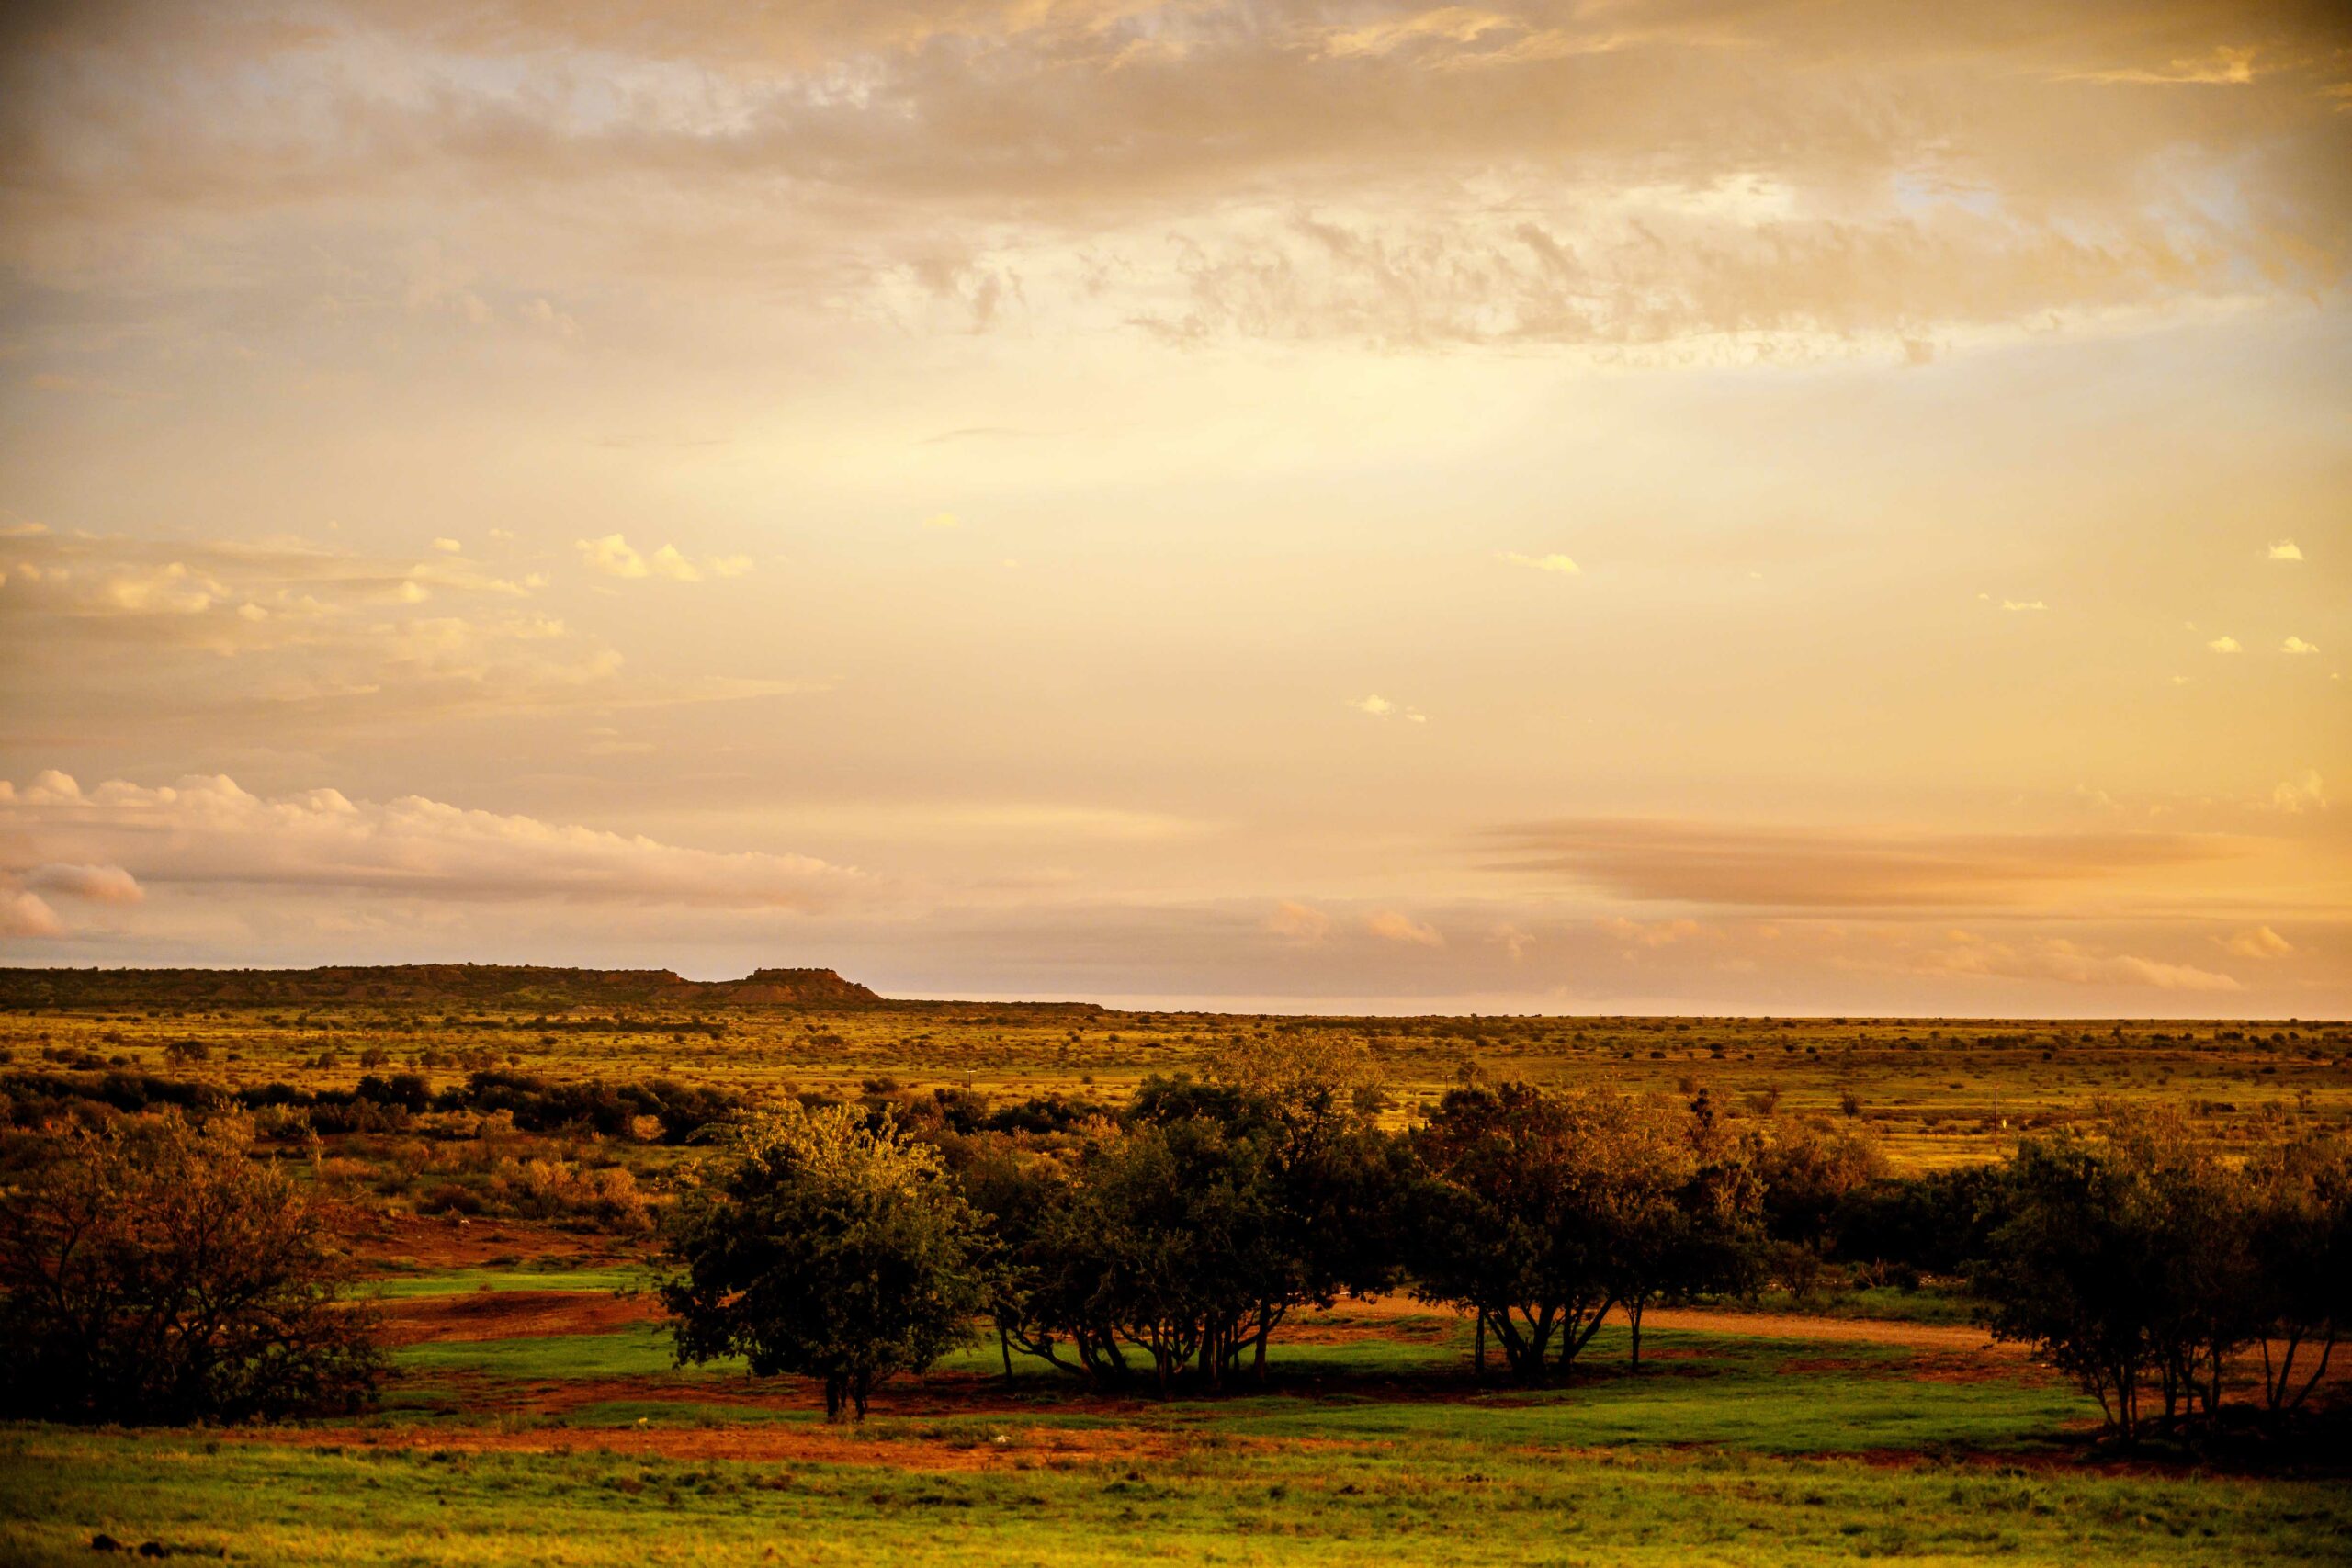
pixel 1633 1321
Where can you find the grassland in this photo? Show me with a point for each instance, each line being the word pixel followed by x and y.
pixel 537 1418
pixel 1371 1442
pixel 1936 1092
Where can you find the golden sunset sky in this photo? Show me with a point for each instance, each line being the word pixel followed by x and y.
pixel 1572 507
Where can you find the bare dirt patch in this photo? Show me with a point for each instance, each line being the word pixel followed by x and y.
pixel 512 1314
pixel 425 1243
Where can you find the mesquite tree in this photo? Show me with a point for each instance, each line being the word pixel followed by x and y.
pixel 827 1244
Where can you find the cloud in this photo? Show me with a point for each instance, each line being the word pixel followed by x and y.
pixel 2015 604
pixel 2258 942
pixel 942 521
pixel 24 915
pixel 2284 549
pixel 2297 645
pixel 1649 933
pixel 103 627
pixel 1391 925
pixel 2224 645
pixel 1514 939
pixel 2304 792
pixel 1555 563
pixel 1523 176
pixel 97 884
pixel 2057 958
pixel 1299 922
pixel 448 547
pixel 615 557
pixel 205 832
pixel 1377 706
pixel 1701 862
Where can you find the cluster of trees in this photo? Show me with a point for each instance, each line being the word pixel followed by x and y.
pixel 151 1268
pixel 2142 1264
pixel 1168 1244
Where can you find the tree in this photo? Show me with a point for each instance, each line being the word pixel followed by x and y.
pixel 824 1245
pixel 2125 1256
pixel 1685 1218
pixel 151 1270
pixel 2300 1239
pixel 1188 1234
pixel 1523 1213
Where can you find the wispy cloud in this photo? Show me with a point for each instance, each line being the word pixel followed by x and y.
pixel 1699 862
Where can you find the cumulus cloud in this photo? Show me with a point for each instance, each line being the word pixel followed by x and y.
pixel 98 883
pixel 101 625
pixel 1299 922
pixel 1649 933
pixel 205 831
pixel 2284 549
pixel 2224 645
pixel 2258 942
pixel 2015 604
pixel 1554 562
pixel 2305 791
pixel 2297 645
pixel 24 915
pixel 1378 706
pixel 1392 925
pixel 1515 939
pixel 614 556
pixel 2058 958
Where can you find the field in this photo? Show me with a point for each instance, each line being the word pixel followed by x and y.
pixel 537 1418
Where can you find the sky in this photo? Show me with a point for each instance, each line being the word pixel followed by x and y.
pixel 1618 506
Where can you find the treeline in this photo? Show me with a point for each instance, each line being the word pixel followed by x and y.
pixel 1162 1243
pixel 668 1110
pixel 1165 1245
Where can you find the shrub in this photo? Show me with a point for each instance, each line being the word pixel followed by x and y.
pixel 154 1272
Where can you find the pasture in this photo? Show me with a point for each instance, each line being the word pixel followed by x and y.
pixel 536 1416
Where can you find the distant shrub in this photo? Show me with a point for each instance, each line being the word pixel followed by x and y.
pixel 606 1198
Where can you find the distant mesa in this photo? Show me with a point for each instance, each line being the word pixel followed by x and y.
pixel 472 985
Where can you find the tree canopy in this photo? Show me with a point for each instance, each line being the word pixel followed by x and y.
pixel 826 1244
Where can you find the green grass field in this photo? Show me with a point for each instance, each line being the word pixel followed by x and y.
pixel 1371 1442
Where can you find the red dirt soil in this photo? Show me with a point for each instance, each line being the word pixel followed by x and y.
pixel 451 1241
pixel 512 1314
